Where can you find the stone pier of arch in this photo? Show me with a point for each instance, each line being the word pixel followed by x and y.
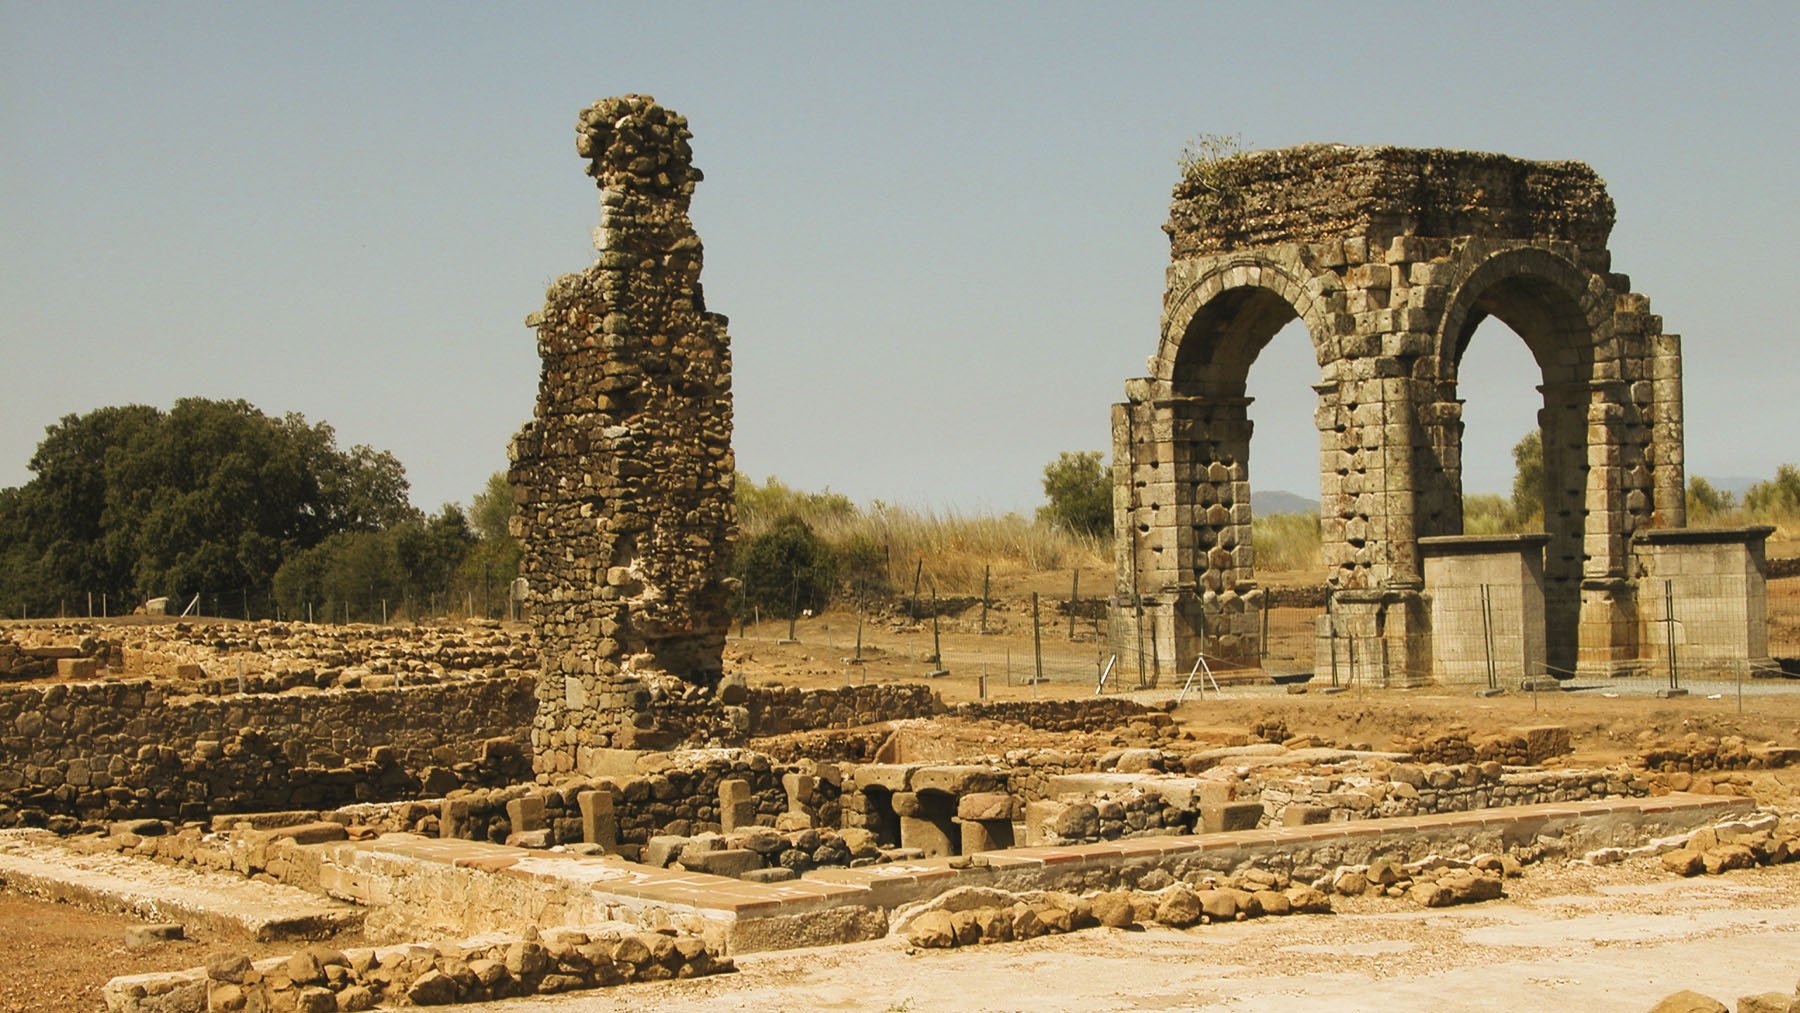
pixel 1391 257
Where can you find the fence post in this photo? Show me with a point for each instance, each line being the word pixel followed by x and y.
pixel 1262 647
pixel 1074 597
pixel 1669 610
pixel 986 591
pixel 937 648
pixel 918 575
pixel 1137 598
pixel 1487 635
pixel 1037 641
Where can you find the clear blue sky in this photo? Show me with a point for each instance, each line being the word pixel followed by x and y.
pixel 935 227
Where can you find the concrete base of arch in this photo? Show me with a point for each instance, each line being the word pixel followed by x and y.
pixel 1160 637
pixel 1607 633
pixel 1378 638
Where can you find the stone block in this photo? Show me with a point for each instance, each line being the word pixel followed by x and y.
pixel 733 862
pixel 1769 1002
pixel 310 833
pixel 139 937
pixel 985 806
pixel 737 806
pixel 1544 741
pixel 986 835
pixel 772 874
pixel 662 849
pixel 599 821
pixel 526 813
pixel 77 668
pixel 1212 792
pixel 1297 815
pixel 790 822
pixel 931 838
pixel 958 780
pixel 800 789
pixel 1230 816
pixel 906 803
pixel 894 777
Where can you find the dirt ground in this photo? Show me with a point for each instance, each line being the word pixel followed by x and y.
pixel 1568 936
pixel 57 957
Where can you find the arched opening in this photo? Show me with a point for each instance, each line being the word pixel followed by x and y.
pixel 1210 382
pixel 1549 320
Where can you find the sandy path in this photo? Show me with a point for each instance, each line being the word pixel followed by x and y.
pixel 1574 937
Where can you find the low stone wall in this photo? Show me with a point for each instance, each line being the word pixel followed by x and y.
pixel 622 712
pixel 1082 715
pixel 72 752
pixel 473 970
pixel 776 710
pixel 1518 747
pixel 1413 790
pixel 268 656
pixel 1704 753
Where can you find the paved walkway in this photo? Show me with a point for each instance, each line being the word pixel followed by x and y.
pixel 36 862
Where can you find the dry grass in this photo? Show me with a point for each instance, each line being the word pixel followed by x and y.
pixel 1286 541
pixel 948 548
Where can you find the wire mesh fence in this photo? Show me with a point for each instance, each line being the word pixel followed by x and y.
pixel 1689 630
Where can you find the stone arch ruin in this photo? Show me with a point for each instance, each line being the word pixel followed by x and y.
pixel 1391 257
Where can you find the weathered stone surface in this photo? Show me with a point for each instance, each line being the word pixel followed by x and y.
pixel 1689 1002
pixel 623 476
pixel 984 806
pixel 986 835
pixel 1230 816
pixel 932 930
pixel 1113 909
pixel 732 862
pixel 140 937
pixel 1768 1002
pixel 958 780
pixel 1179 908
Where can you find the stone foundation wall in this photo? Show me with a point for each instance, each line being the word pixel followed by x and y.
pixel 1084 715
pixel 1411 790
pixel 269 656
pixel 115 750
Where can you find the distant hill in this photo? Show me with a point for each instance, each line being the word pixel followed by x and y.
pixel 1275 501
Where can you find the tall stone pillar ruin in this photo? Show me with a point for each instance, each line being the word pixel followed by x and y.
pixel 623 476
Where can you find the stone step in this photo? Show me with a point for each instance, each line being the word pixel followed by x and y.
pixel 36 862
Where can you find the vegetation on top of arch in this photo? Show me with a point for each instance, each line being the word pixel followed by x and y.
pixel 1211 177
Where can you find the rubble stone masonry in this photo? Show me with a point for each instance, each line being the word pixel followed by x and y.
pixel 623 476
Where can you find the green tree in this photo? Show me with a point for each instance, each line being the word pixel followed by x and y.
pixel 1776 498
pixel 785 569
pixel 1079 493
pixel 1528 480
pixel 211 496
pixel 492 562
pixel 491 511
pixel 1706 501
